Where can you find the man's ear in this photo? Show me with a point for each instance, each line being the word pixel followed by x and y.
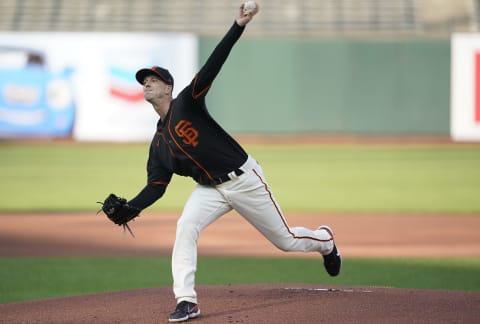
pixel 168 89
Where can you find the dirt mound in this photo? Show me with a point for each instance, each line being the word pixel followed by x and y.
pixel 286 303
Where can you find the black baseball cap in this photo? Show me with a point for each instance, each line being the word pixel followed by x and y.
pixel 162 73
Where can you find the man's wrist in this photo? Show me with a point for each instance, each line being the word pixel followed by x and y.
pixel 238 24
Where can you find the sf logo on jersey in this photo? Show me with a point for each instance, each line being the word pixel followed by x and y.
pixel 187 133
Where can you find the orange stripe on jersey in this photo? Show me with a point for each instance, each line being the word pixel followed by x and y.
pixel 185 152
pixel 281 216
pixel 159 183
pixel 166 143
pixel 196 96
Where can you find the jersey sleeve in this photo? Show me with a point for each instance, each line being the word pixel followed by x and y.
pixel 158 175
pixel 204 78
pixel 149 194
pixel 154 190
pixel 157 181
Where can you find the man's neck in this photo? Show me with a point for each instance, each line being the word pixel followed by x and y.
pixel 162 107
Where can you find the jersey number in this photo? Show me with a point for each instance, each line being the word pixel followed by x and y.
pixel 188 134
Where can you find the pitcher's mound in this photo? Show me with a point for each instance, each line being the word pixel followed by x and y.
pixel 285 303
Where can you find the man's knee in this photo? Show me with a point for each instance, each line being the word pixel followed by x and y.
pixel 187 229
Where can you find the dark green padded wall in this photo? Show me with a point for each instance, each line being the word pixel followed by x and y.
pixel 332 86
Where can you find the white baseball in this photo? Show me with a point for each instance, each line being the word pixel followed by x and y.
pixel 249 5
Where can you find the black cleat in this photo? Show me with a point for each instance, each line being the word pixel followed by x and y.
pixel 333 262
pixel 184 311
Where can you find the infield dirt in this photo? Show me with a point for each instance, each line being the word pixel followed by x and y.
pixel 357 235
pixel 257 304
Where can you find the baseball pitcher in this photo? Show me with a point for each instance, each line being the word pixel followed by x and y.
pixel 189 142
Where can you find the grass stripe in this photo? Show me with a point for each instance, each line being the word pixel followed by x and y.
pixel 36 278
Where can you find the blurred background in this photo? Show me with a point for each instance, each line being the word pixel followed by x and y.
pixel 355 67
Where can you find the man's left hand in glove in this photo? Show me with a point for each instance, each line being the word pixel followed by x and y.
pixel 119 211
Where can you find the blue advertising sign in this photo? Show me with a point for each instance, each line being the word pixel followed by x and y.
pixel 34 102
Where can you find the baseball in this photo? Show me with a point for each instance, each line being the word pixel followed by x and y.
pixel 249 6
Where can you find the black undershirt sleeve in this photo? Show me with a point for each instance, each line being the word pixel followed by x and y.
pixel 214 63
pixel 150 194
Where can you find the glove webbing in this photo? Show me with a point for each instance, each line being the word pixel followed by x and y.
pixel 125 226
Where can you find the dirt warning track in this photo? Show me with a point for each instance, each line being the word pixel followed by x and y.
pixel 357 235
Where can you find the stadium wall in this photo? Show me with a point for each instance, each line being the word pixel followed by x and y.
pixel 270 86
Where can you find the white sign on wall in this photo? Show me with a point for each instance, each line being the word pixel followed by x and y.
pixel 465 87
pixel 109 104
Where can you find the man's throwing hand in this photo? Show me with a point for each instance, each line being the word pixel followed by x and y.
pixel 246 13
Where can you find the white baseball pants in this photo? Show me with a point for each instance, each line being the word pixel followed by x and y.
pixel 250 195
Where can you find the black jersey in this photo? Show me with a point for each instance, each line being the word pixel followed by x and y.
pixel 188 141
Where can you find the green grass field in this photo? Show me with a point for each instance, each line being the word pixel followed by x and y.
pixel 34 278
pixel 319 178
pixel 354 178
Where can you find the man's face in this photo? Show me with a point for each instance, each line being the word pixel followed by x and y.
pixel 153 88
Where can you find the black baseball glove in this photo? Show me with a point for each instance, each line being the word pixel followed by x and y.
pixel 118 211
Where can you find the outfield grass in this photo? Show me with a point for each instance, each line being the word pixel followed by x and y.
pixel 36 278
pixel 315 178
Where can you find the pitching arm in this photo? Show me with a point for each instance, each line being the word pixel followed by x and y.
pixel 204 78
